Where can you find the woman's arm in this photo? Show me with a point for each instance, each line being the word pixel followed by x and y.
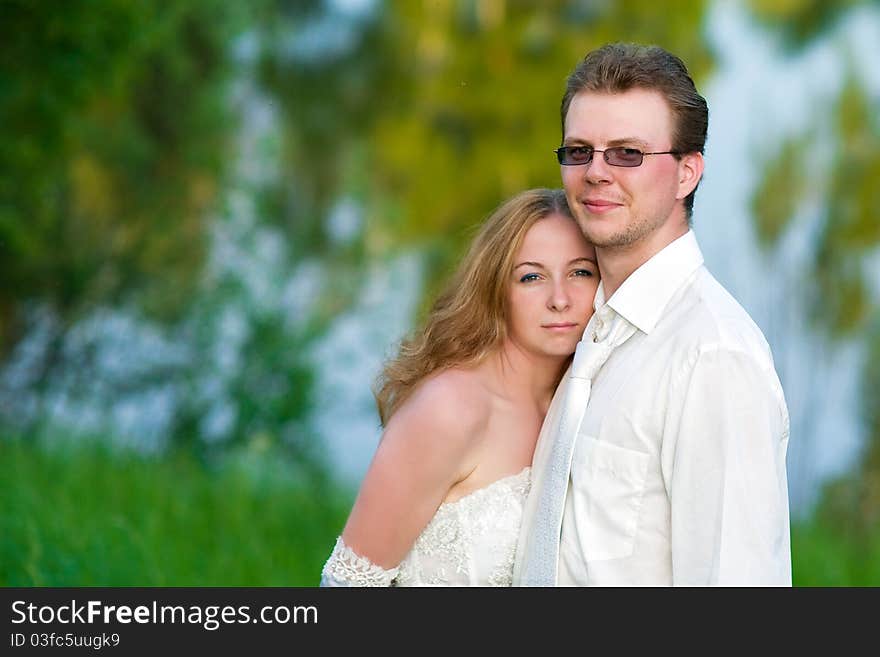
pixel 429 445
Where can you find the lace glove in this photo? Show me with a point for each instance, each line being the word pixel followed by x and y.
pixel 347 568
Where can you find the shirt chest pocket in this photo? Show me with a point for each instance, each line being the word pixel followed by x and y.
pixel 608 487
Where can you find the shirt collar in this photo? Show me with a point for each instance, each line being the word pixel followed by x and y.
pixel 644 295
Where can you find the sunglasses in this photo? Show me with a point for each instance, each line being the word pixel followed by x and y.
pixel 619 156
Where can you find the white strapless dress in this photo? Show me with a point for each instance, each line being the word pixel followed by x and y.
pixel 469 542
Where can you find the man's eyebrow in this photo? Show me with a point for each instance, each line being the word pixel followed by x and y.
pixel 627 141
pixel 623 141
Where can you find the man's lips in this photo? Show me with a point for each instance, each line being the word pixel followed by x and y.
pixel 600 205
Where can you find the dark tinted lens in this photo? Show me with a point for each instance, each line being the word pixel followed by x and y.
pixel 574 154
pixel 624 157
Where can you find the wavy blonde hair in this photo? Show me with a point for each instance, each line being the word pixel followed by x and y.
pixel 468 321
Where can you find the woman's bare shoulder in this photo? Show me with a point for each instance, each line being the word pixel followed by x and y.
pixel 454 403
pixel 456 391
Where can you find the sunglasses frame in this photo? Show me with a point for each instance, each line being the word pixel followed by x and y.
pixel 562 150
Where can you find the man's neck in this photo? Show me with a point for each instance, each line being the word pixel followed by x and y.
pixel 616 263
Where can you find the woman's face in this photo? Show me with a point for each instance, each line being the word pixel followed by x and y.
pixel 554 280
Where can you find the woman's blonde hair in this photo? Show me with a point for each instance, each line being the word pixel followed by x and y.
pixel 468 321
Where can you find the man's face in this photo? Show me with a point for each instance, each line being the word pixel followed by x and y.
pixel 621 206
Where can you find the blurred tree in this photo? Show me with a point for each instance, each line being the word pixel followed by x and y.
pixel 798 22
pixel 843 297
pixel 482 115
pixel 322 67
pixel 115 130
pixel 437 111
pixel 116 126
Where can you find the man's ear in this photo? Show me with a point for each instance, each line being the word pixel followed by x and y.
pixel 690 170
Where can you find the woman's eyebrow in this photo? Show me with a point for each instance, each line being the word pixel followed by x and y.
pixel 530 264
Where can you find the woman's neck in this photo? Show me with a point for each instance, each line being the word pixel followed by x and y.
pixel 524 377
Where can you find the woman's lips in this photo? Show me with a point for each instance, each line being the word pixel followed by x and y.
pixel 560 327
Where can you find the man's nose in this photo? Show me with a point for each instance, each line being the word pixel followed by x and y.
pixel 598 170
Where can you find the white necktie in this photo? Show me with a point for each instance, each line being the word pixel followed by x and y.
pixel 542 554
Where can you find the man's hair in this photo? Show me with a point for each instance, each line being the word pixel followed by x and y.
pixel 468 321
pixel 619 67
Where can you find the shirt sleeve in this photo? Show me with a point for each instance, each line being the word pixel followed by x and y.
pixel 724 467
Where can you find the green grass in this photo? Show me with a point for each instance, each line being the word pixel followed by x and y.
pixel 825 555
pixel 87 517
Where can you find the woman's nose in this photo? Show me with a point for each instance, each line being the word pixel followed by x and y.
pixel 559 299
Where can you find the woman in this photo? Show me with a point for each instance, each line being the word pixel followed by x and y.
pixel 463 403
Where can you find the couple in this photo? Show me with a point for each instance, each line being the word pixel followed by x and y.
pixel 654 456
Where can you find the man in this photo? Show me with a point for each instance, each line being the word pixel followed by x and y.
pixel 662 458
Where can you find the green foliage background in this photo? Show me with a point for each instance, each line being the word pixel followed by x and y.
pixel 117 147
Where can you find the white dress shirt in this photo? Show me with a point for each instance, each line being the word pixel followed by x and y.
pixel 678 468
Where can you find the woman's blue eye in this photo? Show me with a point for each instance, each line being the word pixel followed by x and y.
pixel 528 277
pixel 583 272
